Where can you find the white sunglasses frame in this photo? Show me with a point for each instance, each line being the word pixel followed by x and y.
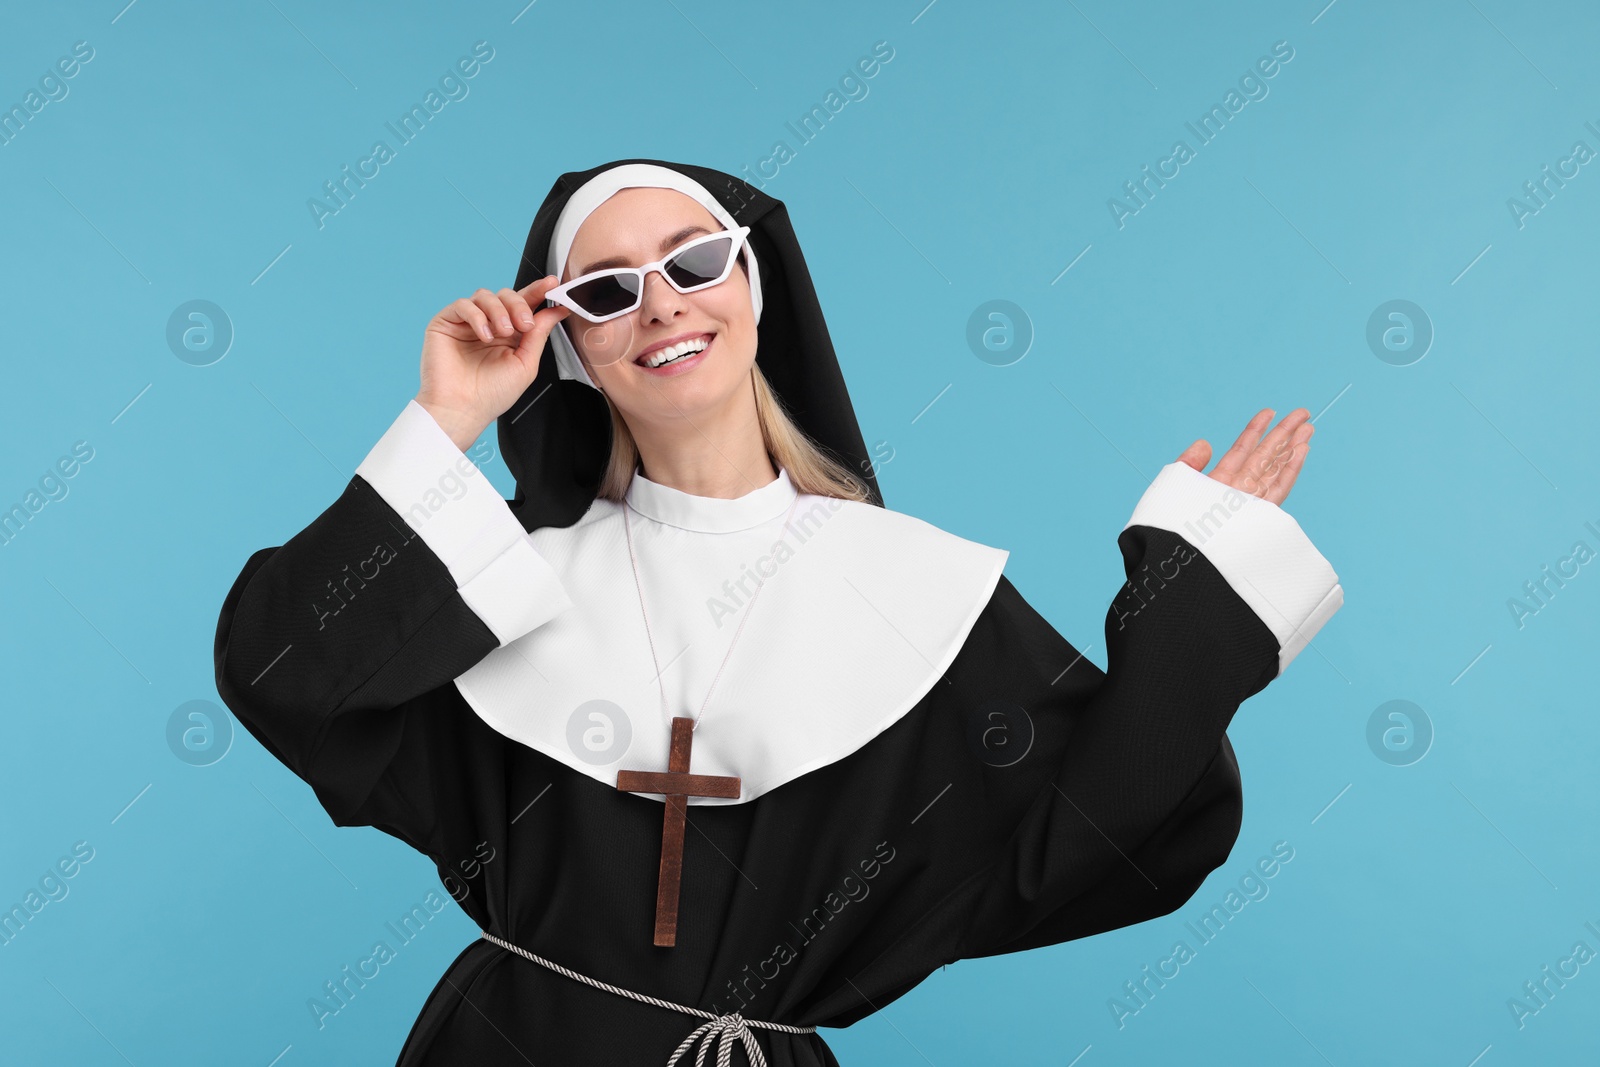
pixel 558 295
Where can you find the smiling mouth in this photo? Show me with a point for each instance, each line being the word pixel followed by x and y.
pixel 681 352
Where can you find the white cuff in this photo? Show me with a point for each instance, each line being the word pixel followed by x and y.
pixel 1254 544
pixel 464 520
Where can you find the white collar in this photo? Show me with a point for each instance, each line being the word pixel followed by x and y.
pixel 861 612
pixel 709 514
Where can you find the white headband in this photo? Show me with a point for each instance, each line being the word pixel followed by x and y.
pixel 598 190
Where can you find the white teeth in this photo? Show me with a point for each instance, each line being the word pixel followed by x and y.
pixel 671 352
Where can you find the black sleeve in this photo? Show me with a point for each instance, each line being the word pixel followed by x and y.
pixel 327 644
pixel 1145 798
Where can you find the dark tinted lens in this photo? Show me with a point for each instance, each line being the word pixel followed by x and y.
pixel 701 264
pixel 605 296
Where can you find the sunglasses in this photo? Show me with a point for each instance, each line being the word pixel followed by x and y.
pixel 692 266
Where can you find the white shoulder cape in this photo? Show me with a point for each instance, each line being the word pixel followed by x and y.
pixel 860 612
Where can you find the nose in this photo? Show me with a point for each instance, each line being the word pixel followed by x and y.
pixel 659 299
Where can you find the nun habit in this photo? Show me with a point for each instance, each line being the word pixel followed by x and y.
pixel 928 771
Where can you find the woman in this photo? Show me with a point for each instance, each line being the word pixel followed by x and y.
pixel 748 753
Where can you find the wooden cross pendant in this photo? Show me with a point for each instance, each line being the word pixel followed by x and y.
pixel 677 785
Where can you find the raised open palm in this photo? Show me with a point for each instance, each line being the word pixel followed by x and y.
pixel 1265 466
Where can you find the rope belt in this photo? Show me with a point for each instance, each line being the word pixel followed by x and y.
pixel 728 1026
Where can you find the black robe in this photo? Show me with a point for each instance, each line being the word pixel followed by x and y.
pixel 816 903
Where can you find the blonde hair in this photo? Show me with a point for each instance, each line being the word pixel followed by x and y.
pixel 788 446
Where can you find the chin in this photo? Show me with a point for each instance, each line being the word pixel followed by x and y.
pixel 703 391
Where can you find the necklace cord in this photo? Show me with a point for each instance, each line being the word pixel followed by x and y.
pixel 639 585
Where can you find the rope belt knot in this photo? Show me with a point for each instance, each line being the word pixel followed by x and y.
pixel 722 1029
pixel 729 1027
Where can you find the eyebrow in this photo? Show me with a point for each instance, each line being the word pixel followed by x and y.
pixel 667 243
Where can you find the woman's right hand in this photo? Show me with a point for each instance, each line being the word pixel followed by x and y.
pixel 481 353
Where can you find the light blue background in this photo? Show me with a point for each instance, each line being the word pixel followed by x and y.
pixel 977 167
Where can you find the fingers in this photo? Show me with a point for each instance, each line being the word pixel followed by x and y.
pixel 536 289
pixel 1267 461
pixel 1279 490
pixel 1266 466
pixel 495 313
pixel 1234 459
pixel 516 306
pixel 1269 474
pixel 490 315
pixel 536 325
pixel 545 318
pixel 472 316
pixel 525 304
pixel 1197 455
pixel 1257 465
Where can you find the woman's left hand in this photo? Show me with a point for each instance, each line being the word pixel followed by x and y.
pixel 1264 466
